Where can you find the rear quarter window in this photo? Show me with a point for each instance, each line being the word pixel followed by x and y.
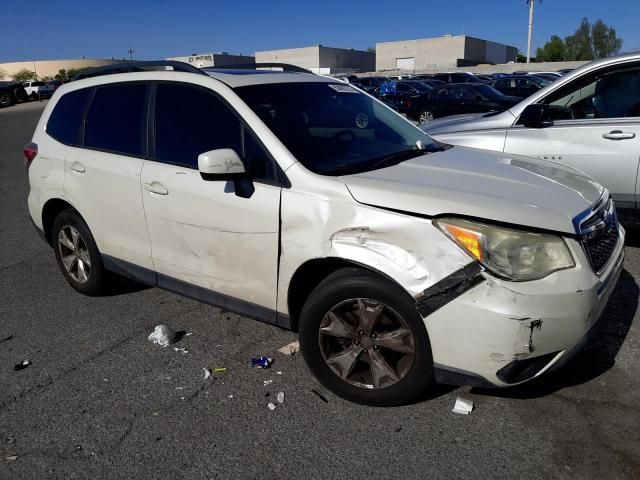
pixel 66 118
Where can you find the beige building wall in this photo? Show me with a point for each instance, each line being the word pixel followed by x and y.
pixel 307 57
pixel 439 52
pixel 321 59
pixel 45 68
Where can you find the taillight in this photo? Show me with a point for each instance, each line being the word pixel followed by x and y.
pixel 30 152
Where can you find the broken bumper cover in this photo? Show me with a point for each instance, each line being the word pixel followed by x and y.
pixel 499 333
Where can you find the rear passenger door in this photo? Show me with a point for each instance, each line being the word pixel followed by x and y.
pixel 207 242
pixel 102 174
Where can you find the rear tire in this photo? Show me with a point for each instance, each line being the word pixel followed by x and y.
pixel 77 254
pixel 5 100
pixel 425 116
pixel 364 340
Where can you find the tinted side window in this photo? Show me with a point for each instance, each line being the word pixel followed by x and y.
pixel 190 121
pixel 115 121
pixel 466 94
pixel 612 94
pixel 66 118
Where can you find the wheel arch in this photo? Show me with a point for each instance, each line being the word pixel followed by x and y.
pixel 51 209
pixel 309 275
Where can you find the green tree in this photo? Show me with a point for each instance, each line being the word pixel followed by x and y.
pixel 24 75
pixel 522 58
pixel 587 43
pixel 604 40
pixel 578 45
pixel 72 72
pixel 61 75
pixel 552 51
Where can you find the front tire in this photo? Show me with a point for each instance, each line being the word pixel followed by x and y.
pixel 362 337
pixel 77 254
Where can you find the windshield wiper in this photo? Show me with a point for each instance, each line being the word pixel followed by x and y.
pixel 397 157
pixel 381 162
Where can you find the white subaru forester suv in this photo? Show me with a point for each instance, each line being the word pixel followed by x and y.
pixel 303 202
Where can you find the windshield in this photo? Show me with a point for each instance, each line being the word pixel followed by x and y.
pixel 420 87
pixel 489 92
pixel 333 129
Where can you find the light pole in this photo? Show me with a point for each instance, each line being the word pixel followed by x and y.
pixel 131 51
pixel 530 2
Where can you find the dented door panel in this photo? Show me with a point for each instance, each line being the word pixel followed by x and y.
pixel 205 235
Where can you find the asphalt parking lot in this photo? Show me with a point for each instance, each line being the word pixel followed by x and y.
pixel 100 400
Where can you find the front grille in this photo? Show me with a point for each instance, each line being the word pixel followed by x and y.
pixel 600 247
pixel 599 233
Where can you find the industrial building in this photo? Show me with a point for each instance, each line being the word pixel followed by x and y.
pixel 321 59
pixel 222 59
pixel 441 53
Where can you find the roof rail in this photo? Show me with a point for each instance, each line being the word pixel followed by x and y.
pixel 129 67
pixel 285 67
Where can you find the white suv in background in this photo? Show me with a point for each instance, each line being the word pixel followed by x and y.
pixel 300 201
pixel 36 90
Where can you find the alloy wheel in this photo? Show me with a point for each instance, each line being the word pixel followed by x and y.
pixel 74 254
pixel 425 117
pixel 367 343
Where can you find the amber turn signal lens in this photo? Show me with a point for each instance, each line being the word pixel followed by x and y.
pixel 467 239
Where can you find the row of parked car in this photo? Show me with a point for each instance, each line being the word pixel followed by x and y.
pixel 426 97
pixel 17 92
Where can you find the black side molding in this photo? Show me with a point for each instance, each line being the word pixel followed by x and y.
pixel 226 302
pixel 447 289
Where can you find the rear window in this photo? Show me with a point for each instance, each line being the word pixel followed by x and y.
pixel 66 118
pixel 115 119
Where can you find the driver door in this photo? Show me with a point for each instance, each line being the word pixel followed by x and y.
pixel 597 130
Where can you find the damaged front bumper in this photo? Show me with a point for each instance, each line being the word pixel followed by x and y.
pixel 497 333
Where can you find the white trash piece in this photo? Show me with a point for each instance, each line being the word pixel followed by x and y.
pixel 162 335
pixel 207 373
pixel 280 397
pixel 463 406
pixel 290 349
pixel 271 406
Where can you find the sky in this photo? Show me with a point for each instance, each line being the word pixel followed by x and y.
pixel 38 30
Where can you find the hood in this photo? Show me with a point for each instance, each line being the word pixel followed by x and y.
pixel 478 183
pixel 469 122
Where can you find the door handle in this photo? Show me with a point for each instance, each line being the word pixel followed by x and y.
pixel 618 135
pixel 156 187
pixel 77 167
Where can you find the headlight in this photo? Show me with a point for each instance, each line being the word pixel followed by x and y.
pixel 512 254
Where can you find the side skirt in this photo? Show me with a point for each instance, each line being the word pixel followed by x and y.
pixel 226 302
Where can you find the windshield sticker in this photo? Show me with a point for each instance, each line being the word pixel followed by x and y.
pixel 362 121
pixel 342 88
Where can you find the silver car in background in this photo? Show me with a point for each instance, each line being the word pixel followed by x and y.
pixel 588 119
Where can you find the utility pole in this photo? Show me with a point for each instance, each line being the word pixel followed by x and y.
pixel 530 2
pixel 131 52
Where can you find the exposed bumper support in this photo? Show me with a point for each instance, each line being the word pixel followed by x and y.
pixel 449 288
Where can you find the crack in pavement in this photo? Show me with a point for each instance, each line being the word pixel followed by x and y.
pixel 6 403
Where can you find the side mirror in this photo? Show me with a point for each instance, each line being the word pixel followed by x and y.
pixel 536 116
pixel 220 164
